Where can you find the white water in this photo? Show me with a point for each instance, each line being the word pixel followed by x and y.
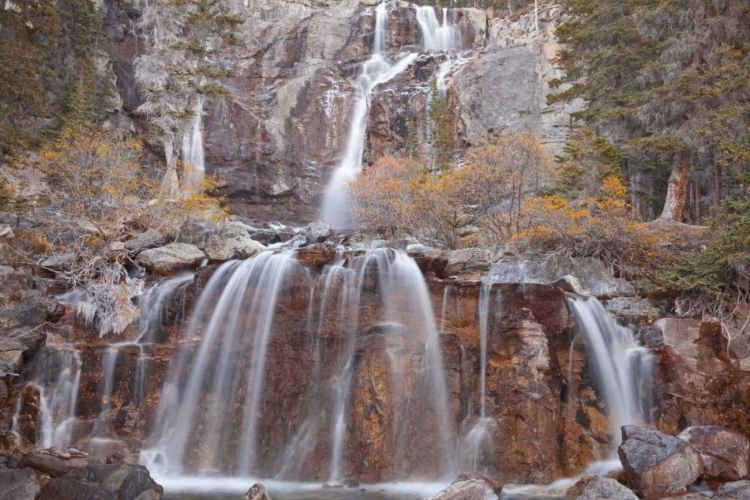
pixel 438 36
pixel 623 368
pixel 336 208
pixel 235 318
pixel 192 152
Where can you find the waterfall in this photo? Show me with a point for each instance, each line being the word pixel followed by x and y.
pixel 192 152
pixel 216 397
pixel 57 378
pixel 151 304
pixel 436 35
pixel 484 319
pixel 622 367
pixel 336 207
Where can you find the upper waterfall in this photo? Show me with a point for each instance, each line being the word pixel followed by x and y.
pixel 436 35
pixel 336 209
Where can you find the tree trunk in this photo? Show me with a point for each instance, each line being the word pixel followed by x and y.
pixel 674 205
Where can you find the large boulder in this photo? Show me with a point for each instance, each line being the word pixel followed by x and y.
pixel 143 241
pixel 64 488
pixel 739 490
pixel 18 484
pixel 724 452
pixel 230 243
pixel 171 258
pixel 658 465
pixel 51 465
pixel 318 232
pixel 257 492
pixel 468 489
pixel 125 482
pixel 606 489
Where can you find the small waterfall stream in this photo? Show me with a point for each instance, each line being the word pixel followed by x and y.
pixel 192 151
pixel 623 368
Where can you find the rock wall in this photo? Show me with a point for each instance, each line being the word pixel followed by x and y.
pixel 279 137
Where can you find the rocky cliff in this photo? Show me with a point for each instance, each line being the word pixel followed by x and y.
pixel 284 129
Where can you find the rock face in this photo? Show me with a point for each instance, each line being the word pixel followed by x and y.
pixel 18 484
pixel 724 453
pixel 469 489
pixel 171 258
pixel 658 465
pixel 606 489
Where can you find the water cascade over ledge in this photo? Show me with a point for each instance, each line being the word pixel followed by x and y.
pixel 222 393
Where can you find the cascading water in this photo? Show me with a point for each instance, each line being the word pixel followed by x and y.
pixel 438 36
pixel 623 368
pixel 192 151
pixel 224 385
pixel 336 209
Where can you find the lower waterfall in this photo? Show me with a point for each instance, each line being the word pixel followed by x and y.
pixel 222 392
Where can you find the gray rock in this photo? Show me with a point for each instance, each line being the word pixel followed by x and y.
pixel 470 489
pixel 144 241
pixel 724 452
pixel 59 262
pixel 65 488
pixel 125 482
pixel 606 489
pixel 18 484
pixel 633 307
pixel 6 232
pixel 51 465
pixel 171 258
pixel 193 231
pixel 658 465
pixel 265 236
pixel 739 490
pixel 318 232
pixel 230 243
pixel 257 492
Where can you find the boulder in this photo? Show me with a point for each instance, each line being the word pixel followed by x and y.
pixel 144 241
pixel 469 489
pixel 125 482
pixel 606 489
pixel 724 452
pixel 576 490
pixel 257 492
pixel 230 243
pixel 64 488
pixel 51 465
pixel 318 232
pixel 171 258
pixel 658 465
pixel 18 484
pixel 193 231
pixel 738 490
pixel 11 356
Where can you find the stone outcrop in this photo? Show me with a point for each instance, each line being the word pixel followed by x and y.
pixel 19 484
pixel 257 492
pixel 230 243
pixel 51 465
pixel 724 453
pixel 606 489
pixel 656 464
pixel 467 489
pixel 171 258
pixel 739 490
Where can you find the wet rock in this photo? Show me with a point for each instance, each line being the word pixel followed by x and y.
pixel 51 465
pixel 469 489
pixel 316 256
pixel 230 243
pixel 606 489
pixel 739 490
pixel 18 484
pixel 724 452
pixel 257 492
pixel 318 232
pixel 265 236
pixel 144 241
pixel 171 258
pixel 124 482
pixel 658 465
pixel 73 489
pixel 576 490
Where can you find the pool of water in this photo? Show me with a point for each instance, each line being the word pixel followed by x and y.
pixel 230 488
